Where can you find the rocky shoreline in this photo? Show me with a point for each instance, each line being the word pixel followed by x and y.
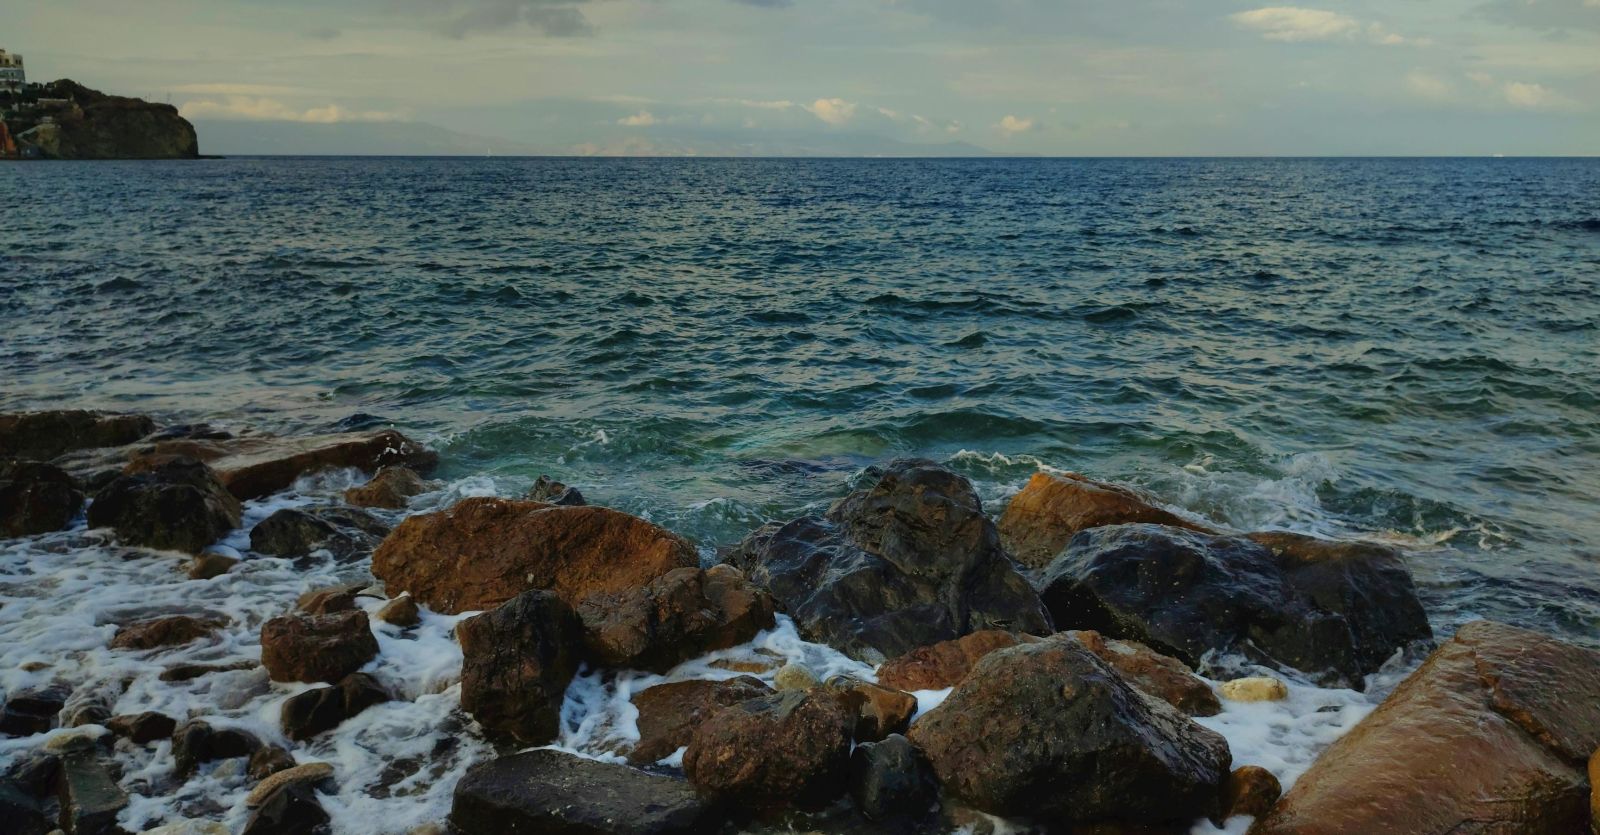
pixel 1062 668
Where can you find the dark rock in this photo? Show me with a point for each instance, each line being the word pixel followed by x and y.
pixel 35 773
pixel 302 647
pixel 314 711
pixel 22 813
pixel 482 552
pixel 1185 594
pixel 142 728
pixel 89 705
pixel 346 534
pixel 1049 731
pixel 179 506
pixel 908 561
pixel 547 791
pixel 291 810
pixel 893 785
pixel 1491 734
pixel 89 795
pixel 1249 790
pixel 196 742
pixel 945 664
pixel 669 713
pixel 517 661
pixel 190 432
pixel 267 761
pixel 45 435
pixel 770 752
pixel 211 564
pixel 189 672
pixel 879 711
pixel 94 125
pixel 1051 509
pixel 36 498
pixel 550 491
pixel 164 632
pixel 391 487
pixel 256 466
pixel 33 711
pixel 683 614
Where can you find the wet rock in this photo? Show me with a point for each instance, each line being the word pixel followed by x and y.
pixel 669 713
pixel 893 785
pixel 179 506
pixel 211 564
pixel 879 711
pixel 1185 594
pixel 908 561
pixel 309 775
pixel 302 647
pixel 35 773
pixel 142 728
pixel 44 435
pixel 794 677
pixel 344 533
pixel 169 631
pixel 256 466
pixel 23 813
pixel 291 810
pixel 88 792
pixel 326 601
pixel 196 742
pixel 555 792
pixel 89 705
pixel 550 491
pixel 774 751
pixel 36 498
pixel 1052 714
pixel 1042 519
pixel 517 661
pixel 1254 689
pixel 1249 790
pixel 188 826
pixel 267 761
pixel 30 712
pixel 189 672
pixel 1489 735
pixel 482 552
pixel 683 614
pixel 391 487
pixel 1166 678
pixel 320 709
pixel 944 664
pixel 401 611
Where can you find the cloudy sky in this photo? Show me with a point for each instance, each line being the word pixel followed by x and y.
pixel 1012 76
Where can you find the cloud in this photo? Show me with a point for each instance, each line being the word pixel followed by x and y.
pixel 642 119
pixel 1545 15
pixel 766 4
pixel 239 90
pixel 835 112
pixel 1429 86
pixel 556 18
pixel 1292 24
pixel 1013 124
pixel 258 109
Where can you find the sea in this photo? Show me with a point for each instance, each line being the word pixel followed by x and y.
pixel 1405 350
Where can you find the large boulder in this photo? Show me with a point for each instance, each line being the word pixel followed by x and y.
pixel 258 465
pixel 345 534
pixel 178 506
pixel 669 713
pixel 1051 509
pixel 36 498
pixel 44 435
pixel 1050 732
pixel 907 561
pixel 481 552
pixel 682 614
pixel 391 487
pixel 305 647
pixel 893 785
pixel 770 752
pixel 33 711
pixel 1491 734
pixel 517 661
pixel 1186 594
pixel 547 791
pixel 87 790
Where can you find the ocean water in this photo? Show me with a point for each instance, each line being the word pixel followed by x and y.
pixel 1401 349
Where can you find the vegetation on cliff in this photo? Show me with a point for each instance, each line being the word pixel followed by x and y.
pixel 66 120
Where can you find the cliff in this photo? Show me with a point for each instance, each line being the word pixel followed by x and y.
pixel 66 120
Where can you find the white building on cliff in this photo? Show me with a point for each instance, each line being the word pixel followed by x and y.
pixel 12 76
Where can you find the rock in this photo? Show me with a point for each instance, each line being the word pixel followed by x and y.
pixel 908 561
pixel 550 491
pixel 879 711
pixel 320 709
pixel 89 705
pixel 1052 714
pixel 680 615
pixel 1490 734
pixel 196 742
pixel 391 487
pixel 345 534
pixel 93 125
pixel 1249 790
pixel 669 713
pixel 179 506
pixel 482 552
pixel 211 564
pixel 329 600
pixel 1254 689
pixel 546 791
pixel 143 728
pixel 893 785
pixel 794 677
pixel 291 810
pixel 517 661
pixel 35 774
pixel 190 672
pixel 1051 509
pixel 33 711
pixel 945 664
pixel 44 435
pixel 401 611
pixel 302 647
pixel 36 498
pixel 308 775
pixel 773 751
pixel 164 632
pixel 189 826
pixel 267 761
pixel 23 814
pixel 1166 678
pixel 1185 594
pixel 1594 793
pixel 89 795
pixel 256 466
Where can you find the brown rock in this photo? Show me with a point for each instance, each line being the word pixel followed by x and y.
pixel 302 647
pixel 1041 519
pixel 517 661
pixel 1594 793
pixel 773 751
pixel 1164 677
pixel 391 487
pixel 329 600
pixel 180 506
pixel 311 712
pixel 211 564
pixel 44 435
pixel 145 727
pixel 481 552
pixel 36 498
pixel 945 664
pixel 879 711
pixel 1249 790
pixel 309 774
pixel 255 466
pixel 1491 734
pixel 267 761
pixel 669 713
pixel 401 611
pixel 683 614
pixel 164 632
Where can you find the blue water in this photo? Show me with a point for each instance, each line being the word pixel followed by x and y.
pixel 1407 349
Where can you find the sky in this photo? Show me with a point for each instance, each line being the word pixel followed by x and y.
pixel 1050 77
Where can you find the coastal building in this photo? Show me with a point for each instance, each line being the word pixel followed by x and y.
pixel 12 75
